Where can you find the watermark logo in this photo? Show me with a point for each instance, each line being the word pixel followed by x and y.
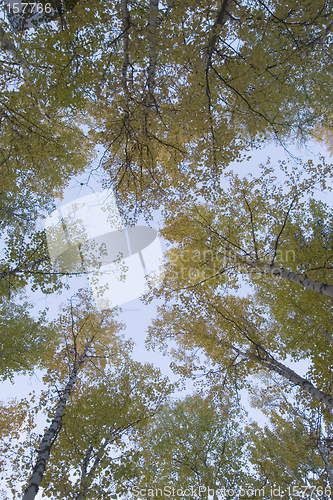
pixel 88 236
pixel 200 491
pixel 234 492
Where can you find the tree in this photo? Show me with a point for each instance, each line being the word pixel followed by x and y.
pixel 193 443
pixel 294 450
pixel 42 148
pixel 173 92
pixel 180 88
pixel 255 225
pixel 218 91
pixel 99 431
pixel 87 363
pixel 236 341
pixel 84 334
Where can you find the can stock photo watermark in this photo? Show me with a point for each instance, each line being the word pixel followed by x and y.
pixel 231 492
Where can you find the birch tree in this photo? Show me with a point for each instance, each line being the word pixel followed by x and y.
pixel 94 454
pixel 182 88
pixel 255 228
pixel 96 399
pixel 86 337
pixel 257 225
pixel 235 340
pixel 293 427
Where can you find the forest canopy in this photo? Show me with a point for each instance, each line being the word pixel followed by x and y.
pixel 165 101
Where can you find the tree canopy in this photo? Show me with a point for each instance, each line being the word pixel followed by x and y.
pixel 173 97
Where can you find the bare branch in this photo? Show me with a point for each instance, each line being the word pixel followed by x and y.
pixel 24 268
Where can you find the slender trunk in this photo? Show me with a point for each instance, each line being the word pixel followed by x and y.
pixel 87 478
pixel 83 486
pixel 272 364
pixel 51 433
pixel 221 19
pixel 303 280
pixel 298 279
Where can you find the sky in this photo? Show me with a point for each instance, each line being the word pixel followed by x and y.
pixel 135 314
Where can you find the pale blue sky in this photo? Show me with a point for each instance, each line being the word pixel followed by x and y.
pixel 135 314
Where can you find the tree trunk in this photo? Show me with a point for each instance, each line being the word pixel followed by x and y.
pixel 298 279
pixel 221 19
pixel 303 280
pixel 272 364
pixel 51 433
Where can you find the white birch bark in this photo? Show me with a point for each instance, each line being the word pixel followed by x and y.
pixel 272 364
pixel 298 279
pixel 51 433
pixel 302 280
pixel 88 476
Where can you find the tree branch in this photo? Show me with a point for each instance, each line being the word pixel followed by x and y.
pixel 23 268
pixel 272 364
pixel 221 19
